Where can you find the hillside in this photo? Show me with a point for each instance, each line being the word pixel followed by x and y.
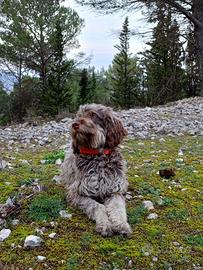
pixel 168 236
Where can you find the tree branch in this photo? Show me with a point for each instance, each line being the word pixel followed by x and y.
pixel 185 12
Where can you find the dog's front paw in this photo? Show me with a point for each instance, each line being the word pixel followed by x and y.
pixel 123 229
pixel 104 228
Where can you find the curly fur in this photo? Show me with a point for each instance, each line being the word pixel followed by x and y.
pixel 96 183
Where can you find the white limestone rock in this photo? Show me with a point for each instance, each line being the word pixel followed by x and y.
pixel 32 241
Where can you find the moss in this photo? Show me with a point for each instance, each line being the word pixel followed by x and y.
pixel 78 246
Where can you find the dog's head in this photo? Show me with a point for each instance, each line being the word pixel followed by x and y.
pixel 96 127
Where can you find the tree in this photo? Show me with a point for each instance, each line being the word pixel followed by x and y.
pixel 84 87
pixel 59 75
pixel 4 106
pixel 191 10
pixel 33 23
pixel 123 75
pixel 192 70
pixel 25 100
pixel 163 62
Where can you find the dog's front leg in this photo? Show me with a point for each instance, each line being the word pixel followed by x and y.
pixel 116 211
pixel 95 211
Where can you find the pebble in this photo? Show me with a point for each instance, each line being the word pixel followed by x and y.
pixel 3 164
pixel 4 233
pixel 33 241
pixel 41 258
pixel 148 205
pixel 154 259
pixel 15 222
pixel 58 161
pixel 174 119
pixel 152 216
pixel 52 235
pixel 65 214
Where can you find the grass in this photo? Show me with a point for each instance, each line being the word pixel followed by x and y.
pixel 174 239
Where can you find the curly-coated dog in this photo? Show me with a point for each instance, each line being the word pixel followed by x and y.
pixel 93 170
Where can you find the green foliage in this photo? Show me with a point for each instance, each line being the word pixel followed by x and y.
pixel 136 215
pixel 145 188
pixel 34 38
pixel 45 207
pixel 4 106
pixel 52 157
pixel 25 99
pixel 165 78
pixel 86 240
pixel 123 75
pixel 178 215
pixel 73 263
pixel 194 240
pixel 77 236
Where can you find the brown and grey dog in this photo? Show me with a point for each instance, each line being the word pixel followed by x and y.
pixel 93 170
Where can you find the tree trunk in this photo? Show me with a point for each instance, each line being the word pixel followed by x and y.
pixel 198 33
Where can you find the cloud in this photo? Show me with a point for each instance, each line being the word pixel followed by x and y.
pixel 101 32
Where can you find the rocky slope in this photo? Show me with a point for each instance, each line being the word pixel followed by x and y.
pixel 179 118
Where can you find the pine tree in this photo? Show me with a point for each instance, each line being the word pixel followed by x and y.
pixel 123 77
pixel 30 24
pixel 84 87
pixel 4 106
pixel 59 75
pixel 163 62
pixel 192 69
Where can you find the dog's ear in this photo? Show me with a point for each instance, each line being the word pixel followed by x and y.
pixel 74 147
pixel 115 131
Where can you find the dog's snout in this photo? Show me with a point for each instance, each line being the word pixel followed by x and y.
pixel 75 125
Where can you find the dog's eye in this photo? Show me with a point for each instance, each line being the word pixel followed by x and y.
pixel 92 114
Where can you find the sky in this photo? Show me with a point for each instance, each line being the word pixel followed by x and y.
pixel 101 33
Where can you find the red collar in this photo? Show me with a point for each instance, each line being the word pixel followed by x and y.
pixel 88 151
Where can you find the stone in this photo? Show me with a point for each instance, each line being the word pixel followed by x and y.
pixel 58 161
pixel 152 216
pixel 65 214
pixel 32 241
pixel 15 222
pixel 148 205
pixel 4 233
pixel 41 258
pixel 154 259
pixel 52 235
pixel 25 162
pixel 3 164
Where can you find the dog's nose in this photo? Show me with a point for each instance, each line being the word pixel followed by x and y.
pixel 75 125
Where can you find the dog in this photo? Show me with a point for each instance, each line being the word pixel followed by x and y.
pixel 94 172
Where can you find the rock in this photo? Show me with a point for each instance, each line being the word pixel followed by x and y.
pixel 64 214
pixel 152 216
pixel 148 205
pixel 15 222
pixel 4 233
pixel 174 119
pixel 3 164
pixel 9 202
pixel 41 258
pixel 32 241
pixel 53 224
pixel 176 244
pixel 43 161
pixel 154 259
pixel 25 162
pixel 52 235
pixel 58 161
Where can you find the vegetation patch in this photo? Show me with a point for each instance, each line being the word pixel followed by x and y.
pixel 174 239
pixel 45 207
